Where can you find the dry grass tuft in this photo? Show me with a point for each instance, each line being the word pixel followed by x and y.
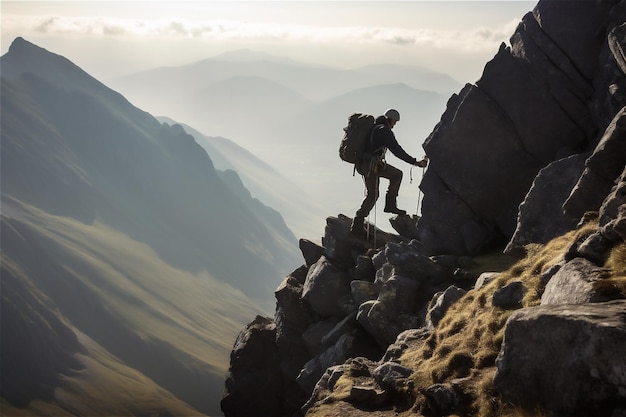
pixel 614 286
pixel 617 260
pixel 469 337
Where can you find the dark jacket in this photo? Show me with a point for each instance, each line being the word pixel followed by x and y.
pixel 383 138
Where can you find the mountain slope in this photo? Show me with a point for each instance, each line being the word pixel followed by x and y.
pixel 302 214
pixel 131 172
pixel 125 232
pixel 161 324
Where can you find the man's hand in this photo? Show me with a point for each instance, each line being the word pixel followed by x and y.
pixel 422 163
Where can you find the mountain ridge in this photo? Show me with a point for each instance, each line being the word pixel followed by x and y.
pixel 134 241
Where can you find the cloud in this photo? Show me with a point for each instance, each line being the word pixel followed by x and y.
pixel 475 39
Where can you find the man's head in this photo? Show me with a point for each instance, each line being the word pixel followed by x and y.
pixel 393 116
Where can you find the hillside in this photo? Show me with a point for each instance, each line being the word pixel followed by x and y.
pixel 263 181
pixel 134 254
pixel 507 297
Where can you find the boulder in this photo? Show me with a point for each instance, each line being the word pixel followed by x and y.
pixel 392 376
pixel 364 269
pixel 484 279
pixel 597 247
pixel 406 260
pixel 540 217
pixel 573 284
pixel 566 359
pixel 249 388
pixel 327 289
pixel 441 400
pixel 311 252
pixel 363 291
pixel 406 226
pixel 440 303
pixel 358 367
pixel 510 296
pixel 350 345
pixel 289 300
pixel 392 312
pixel 312 336
pixel 343 247
pixel 408 339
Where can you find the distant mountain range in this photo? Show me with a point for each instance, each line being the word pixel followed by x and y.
pixel 128 261
pixel 315 82
pixel 290 114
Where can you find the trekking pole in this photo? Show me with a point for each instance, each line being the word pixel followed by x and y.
pixel 375 204
pixel 367 228
pixel 419 194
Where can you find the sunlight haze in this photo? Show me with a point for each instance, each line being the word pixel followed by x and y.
pixel 293 124
pixel 115 38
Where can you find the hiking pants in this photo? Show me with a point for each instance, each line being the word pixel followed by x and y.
pixel 372 184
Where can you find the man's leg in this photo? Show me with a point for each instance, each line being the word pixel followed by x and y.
pixel 394 175
pixel 371 195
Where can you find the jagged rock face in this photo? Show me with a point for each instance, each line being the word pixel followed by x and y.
pixel 548 96
pixel 540 216
pixel 601 170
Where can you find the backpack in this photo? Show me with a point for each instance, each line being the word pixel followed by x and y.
pixel 357 137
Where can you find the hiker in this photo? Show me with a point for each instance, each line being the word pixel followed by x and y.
pixel 374 166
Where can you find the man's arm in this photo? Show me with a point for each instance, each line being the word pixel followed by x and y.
pixel 392 144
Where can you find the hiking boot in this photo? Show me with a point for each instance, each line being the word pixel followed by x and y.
pixel 357 228
pixel 392 208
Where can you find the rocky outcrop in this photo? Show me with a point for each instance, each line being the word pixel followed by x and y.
pixel 530 161
pixel 344 324
pixel 352 301
pixel 550 95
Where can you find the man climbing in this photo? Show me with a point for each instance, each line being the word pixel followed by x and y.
pixel 375 167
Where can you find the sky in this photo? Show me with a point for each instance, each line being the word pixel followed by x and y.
pixel 110 39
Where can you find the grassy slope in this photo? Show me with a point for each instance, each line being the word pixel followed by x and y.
pixel 468 339
pixel 104 387
pixel 120 294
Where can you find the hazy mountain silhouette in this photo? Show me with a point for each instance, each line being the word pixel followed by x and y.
pixel 299 210
pixel 241 104
pixel 316 82
pixel 291 115
pixel 133 252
